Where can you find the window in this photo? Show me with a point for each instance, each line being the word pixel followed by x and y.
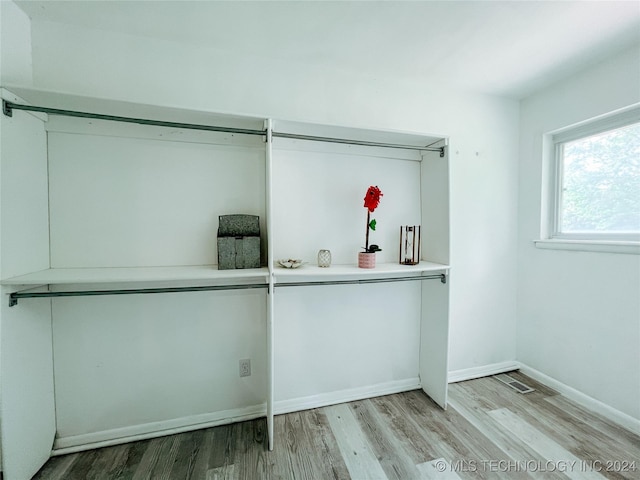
pixel 596 181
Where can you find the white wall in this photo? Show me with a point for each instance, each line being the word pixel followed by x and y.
pixel 483 133
pixel 15 45
pixel 332 342
pixel 146 202
pixel 578 312
pixel 337 179
pixel 132 365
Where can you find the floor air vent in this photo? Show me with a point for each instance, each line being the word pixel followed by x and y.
pixel 515 384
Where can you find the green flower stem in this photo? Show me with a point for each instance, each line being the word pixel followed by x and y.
pixel 366 245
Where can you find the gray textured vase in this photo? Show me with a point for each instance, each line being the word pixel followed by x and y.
pixel 238 241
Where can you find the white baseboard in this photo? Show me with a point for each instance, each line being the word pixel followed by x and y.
pixel 105 438
pixel 483 371
pixel 342 396
pixel 64 445
pixel 621 418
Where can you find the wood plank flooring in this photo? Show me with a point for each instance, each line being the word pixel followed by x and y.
pixel 488 431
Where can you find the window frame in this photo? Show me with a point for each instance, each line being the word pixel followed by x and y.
pixel 552 236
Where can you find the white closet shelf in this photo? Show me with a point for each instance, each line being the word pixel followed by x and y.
pixel 202 273
pixel 313 273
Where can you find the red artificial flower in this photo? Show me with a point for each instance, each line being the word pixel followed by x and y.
pixel 372 198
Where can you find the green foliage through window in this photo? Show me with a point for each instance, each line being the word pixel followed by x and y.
pixel 600 189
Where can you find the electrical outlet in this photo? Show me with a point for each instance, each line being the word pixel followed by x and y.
pixel 245 367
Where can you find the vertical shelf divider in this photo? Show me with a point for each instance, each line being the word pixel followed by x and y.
pixel 271 291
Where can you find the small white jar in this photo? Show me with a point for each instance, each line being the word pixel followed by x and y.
pixel 324 258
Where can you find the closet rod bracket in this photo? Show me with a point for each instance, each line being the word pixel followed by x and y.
pixel 441 152
pixel 7 108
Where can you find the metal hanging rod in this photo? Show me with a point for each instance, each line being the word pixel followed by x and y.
pixel 14 297
pixel 442 277
pixel 314 138
pixel 8 107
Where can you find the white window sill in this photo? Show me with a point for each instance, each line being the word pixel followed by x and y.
pixel 606 246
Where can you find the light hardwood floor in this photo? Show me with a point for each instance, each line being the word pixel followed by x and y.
pixel 488 431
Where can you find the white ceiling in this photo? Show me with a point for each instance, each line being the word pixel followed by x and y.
pixel 509 48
